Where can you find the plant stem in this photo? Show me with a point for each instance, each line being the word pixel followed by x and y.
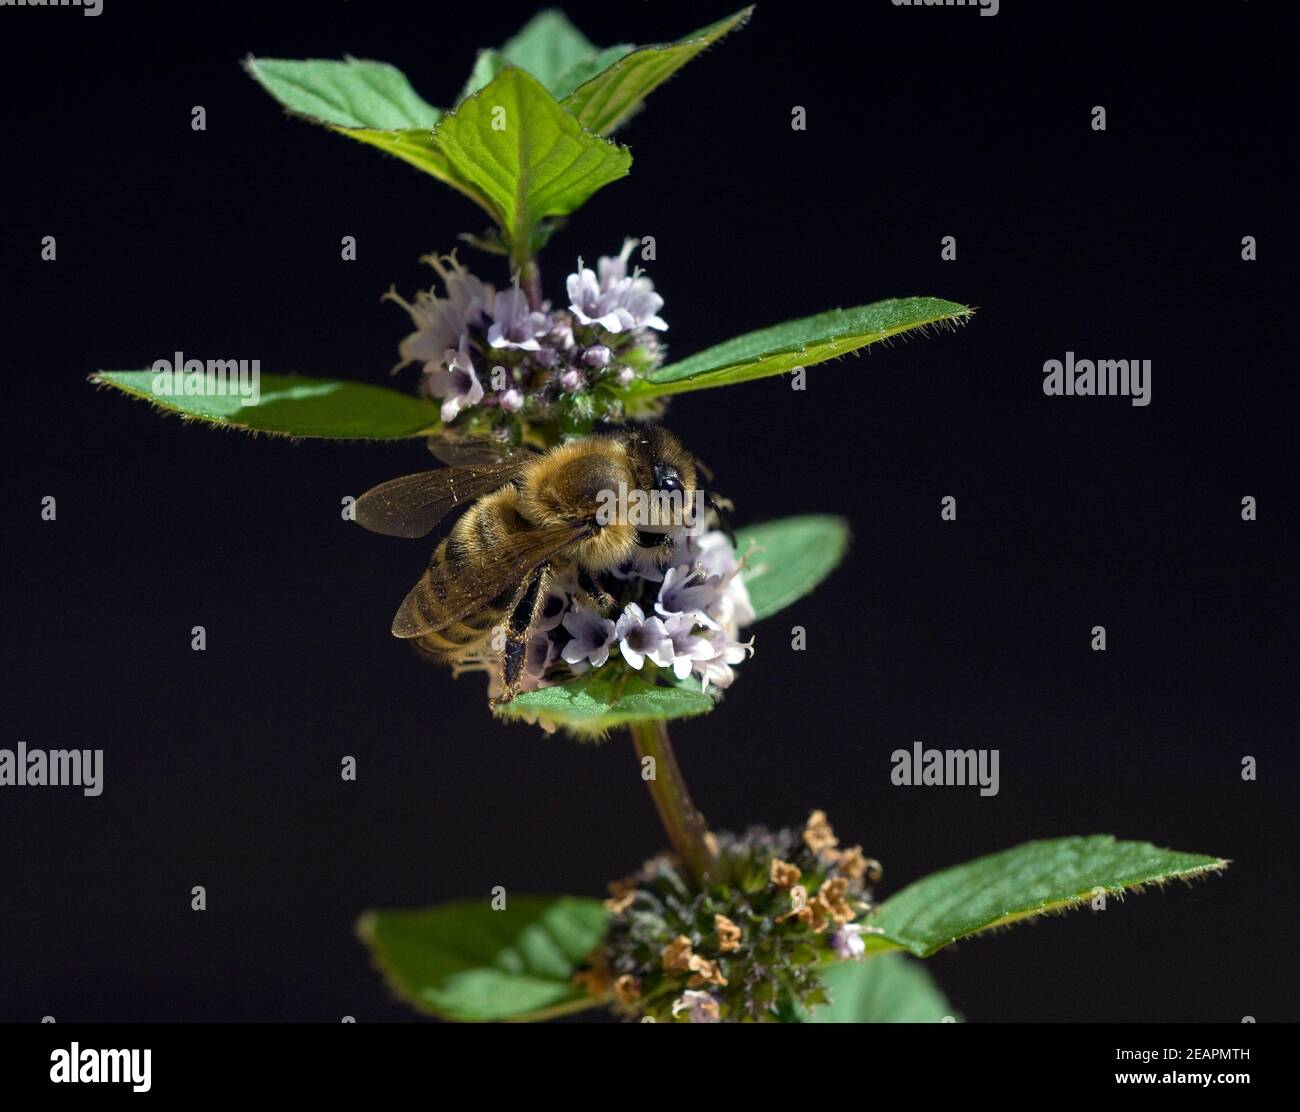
pixel 684 824
pixel 530 281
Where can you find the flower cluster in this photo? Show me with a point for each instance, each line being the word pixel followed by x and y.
pixel 499 363
pixel 746 949
pixel 683 622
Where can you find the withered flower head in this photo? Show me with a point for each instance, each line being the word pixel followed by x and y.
pixel 728 933
pixel 818 835
pixel 748 947
pixel 676 956
pixel 830 905
pixel 627 990
pixel 783 874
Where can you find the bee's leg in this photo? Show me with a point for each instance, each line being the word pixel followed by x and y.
pixel 599 598
pixel 519 625
pixel 721 508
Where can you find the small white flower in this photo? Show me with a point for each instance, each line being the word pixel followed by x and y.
pixel 702 1007
pixel 847 942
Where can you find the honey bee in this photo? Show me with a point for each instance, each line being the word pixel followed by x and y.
pixel 531 520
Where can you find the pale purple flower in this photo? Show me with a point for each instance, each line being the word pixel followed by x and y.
pixel 439 327
pixel 686 591
pixel 717 559
pixel 847 942
pixel 592 637
pixel 514 325
pixel 571 381
pixel 613 268
pixel 639 305
pixel 640 637
pixel 443 324
pixel 540 652
pixel 511 400
pixel 615 301
pixel 585 301
pixel 625 376
pixel 687 645
pixel 553 607
pixel 456 383
pixel 561 335
pixel 717 669
pixel 596 356
pixel 469 296
pixel 713 562
pixel 701 1007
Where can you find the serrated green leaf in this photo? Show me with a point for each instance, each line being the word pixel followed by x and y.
pixel 468 962
pixel 292 406
pixel 370 102
pixel 791 557
pixel 349 94
pixel 799 343
pixel 583 72
pixel 486 66
pixel 1030 879
pixel 491 62
pixel 606 698
pixel 611 95
pixel 528 157
pixel 887 988
pixel 548 46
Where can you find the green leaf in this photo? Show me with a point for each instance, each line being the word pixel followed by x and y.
pixel 793 556
pixel 605 698
pixel 492 62
pixel 486 66
pixel 609 97
pixel 525 155
pixel 585 71
pixel 371 102
pixel 888 988
pixel 1015 884
pixel 348 94
pixel 549 47
pixel 467 962
pixel 292 406
pixel 799 343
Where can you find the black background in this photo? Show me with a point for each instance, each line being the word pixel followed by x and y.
pixel 222 767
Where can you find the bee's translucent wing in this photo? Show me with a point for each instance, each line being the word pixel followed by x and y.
pixel 472 451
pixel 412 505
pixel 453 589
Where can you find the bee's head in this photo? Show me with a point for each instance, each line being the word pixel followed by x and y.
pixel 666 471
pixel 659 462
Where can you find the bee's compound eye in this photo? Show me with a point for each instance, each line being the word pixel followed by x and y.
pixel 667 479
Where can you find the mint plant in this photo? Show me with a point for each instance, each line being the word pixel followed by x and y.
pixel 763 925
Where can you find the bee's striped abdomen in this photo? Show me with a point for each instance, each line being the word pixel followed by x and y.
pixel 466 641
